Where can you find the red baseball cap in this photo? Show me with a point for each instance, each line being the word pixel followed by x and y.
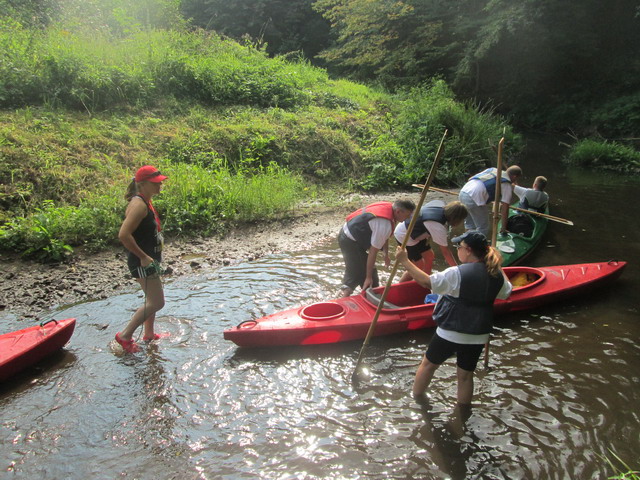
pixel 149 173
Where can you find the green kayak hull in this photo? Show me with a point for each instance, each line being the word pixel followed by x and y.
pixel 515 247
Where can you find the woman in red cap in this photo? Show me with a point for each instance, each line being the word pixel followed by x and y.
pixel 141 234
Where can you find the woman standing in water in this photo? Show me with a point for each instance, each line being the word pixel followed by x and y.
pixel 464 312
pixel 140 233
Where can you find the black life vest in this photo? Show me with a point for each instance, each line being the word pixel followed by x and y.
pixel 472 311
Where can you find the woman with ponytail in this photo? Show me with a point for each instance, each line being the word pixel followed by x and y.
pixel 140 233
pixel 464 311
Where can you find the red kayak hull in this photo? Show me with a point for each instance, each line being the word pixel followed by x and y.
pixel 23 348
pixel 347 319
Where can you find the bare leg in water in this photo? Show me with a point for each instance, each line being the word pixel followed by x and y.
pixel 154 301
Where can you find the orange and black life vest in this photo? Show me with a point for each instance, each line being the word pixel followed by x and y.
pixel 358 221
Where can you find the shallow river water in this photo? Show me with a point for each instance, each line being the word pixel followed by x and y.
pixel 561 395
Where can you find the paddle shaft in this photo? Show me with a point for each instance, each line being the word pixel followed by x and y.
pixel 497 204
pixel 394 268
pixel 498 194
pixel 532 212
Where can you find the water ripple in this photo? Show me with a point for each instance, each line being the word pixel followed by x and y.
pixel 557 393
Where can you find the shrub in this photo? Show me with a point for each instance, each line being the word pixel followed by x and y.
pixel 604 155
pixel 619 117
pixel 423 115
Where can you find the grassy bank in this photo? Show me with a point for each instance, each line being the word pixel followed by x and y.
pixel 601 154
pixel 241 136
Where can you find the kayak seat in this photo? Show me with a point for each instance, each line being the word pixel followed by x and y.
pixel 521 224
pixel 375 299
pixel 522 279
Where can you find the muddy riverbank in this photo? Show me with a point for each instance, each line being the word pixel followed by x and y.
pixel 31 289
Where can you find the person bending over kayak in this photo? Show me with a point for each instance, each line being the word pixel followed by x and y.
pixel 140 233
pixel 433 223
pixel 464 311
pixel 480 190
pixel 366 232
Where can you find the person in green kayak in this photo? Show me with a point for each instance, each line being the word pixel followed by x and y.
pixel 534 198
pixel 463 312
pixel 480 190
pixel 366 232
pixel 141 234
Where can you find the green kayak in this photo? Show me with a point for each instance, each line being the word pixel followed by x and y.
pixel 525 233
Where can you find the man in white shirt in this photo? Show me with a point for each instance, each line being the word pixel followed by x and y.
pixel 480 190
pixel 363 235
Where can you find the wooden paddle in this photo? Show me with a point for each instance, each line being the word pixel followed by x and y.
pixel 414 217
pixel 532 212
pixel 497 204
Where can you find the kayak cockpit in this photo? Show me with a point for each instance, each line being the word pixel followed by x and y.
pixel 400 295
pixel 411 294
pixel 322 311
pixel 523 278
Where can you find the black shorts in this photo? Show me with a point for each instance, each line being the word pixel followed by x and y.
pixel 138 271
pixel 414 252
pixel 355 261
pixel 467 356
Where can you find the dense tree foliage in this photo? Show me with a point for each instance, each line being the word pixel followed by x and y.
pixel 281 26
pixel 531 56
pixel 546 62
pixel 30 13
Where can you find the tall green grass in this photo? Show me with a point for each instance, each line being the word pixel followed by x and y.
pixel 196 200
pixel 57 67
pixel 203 200
pixel 622 470
pixel 242 136
pixel 604 155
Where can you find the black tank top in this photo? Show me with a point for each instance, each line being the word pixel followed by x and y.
pixel 148 238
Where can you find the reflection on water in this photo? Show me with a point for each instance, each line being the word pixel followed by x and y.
pixel 561 391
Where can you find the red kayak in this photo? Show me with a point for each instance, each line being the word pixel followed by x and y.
pixel 349 318
pixel 23 348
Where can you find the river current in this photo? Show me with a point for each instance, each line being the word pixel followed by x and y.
pixel 561 394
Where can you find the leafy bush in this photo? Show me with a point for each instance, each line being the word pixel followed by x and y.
pixel 604 155
pixel 37 236
pixel 619 117
pixel 423 115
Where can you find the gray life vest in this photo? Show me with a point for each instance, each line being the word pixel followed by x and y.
pixel 427 214
pixel 534 200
